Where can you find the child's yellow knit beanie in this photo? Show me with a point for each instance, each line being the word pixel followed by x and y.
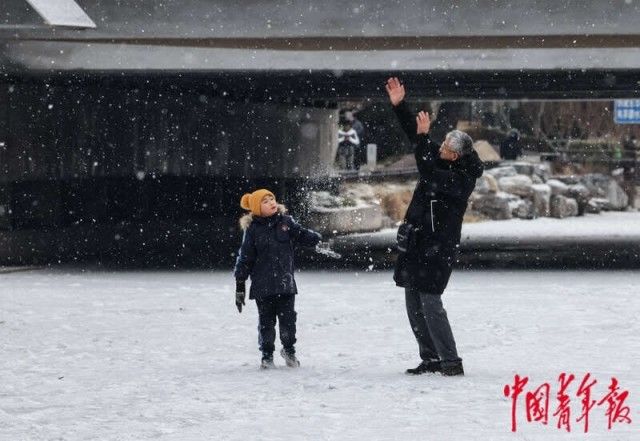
pixel 252 201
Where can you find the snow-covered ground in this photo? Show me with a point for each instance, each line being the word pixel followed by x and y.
pixel 614 227
pixel 165 355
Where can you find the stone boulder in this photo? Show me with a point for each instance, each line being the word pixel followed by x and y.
pixel 518 184
pixel 543 171
pixel 569 179
pixel 600 204
pixel 562 206
pixel 541 199
pixel 485 151
pixel 523 209
pixel 581 194
pixel 597 183
pixel 558 187
pixel 501 172
pixel 618 198
pixel 486 184
pixel 493 205
pixel 349 213
pixel 593 207
pixel 524 168
pixel 345 220
pixel 602 186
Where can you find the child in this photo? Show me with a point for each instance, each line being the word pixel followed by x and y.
pixel 266 254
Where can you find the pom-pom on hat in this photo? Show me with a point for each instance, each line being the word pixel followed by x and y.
pixel 252 201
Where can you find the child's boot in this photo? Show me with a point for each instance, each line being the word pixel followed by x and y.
pixel 267 361
pixel 290 358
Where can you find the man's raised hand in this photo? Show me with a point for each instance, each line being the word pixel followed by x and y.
pixel 395 91
pixel 423 123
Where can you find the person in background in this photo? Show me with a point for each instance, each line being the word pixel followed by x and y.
pixel 348 142
pixel 629 169
pixel 360 156
pixel 510 148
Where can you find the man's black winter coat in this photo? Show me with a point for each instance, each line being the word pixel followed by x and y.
pixel 436 209
pixel 266 254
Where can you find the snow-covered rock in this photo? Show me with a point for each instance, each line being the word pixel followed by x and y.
pixel 518 184
pixel 618 198
pixel 543 171
pixel 558 187
pixel 537 179
pixel 355 210
pixel 524 168
pixel 501 172
pixel 346 220
pixel 523 209
pixel 541 199
pixel 493 205
pixel 562 206
pixel 531 169
pixel 597 183
pixel 485 151
pixel 486 184
pixel 593 207
pixel 581 194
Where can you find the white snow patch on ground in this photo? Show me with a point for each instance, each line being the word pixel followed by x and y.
pixel 165 355
pixel 613 227
pixel 608 225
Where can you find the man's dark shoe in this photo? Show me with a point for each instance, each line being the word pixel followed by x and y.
pixel 452 370
pixel 426 367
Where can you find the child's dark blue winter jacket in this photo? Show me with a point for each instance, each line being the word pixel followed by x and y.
pixel 266 254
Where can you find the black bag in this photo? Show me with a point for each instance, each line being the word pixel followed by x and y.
pixel 406 237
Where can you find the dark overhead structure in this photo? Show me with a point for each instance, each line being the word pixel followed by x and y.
pixel 134 126
pixel 477 49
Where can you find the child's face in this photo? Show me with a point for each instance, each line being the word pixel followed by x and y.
pixel 268 206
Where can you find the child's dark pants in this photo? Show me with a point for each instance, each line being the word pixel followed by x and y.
pixel 282 307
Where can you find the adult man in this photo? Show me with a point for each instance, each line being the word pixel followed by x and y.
pixel 431 232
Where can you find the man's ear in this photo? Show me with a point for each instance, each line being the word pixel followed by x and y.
pixel 456 156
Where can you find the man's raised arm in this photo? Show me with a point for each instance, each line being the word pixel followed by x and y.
pixel 396 93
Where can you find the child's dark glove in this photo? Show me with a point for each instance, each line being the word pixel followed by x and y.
pixel 240 294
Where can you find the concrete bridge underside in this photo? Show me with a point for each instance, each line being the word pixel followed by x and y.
pixel 150 167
